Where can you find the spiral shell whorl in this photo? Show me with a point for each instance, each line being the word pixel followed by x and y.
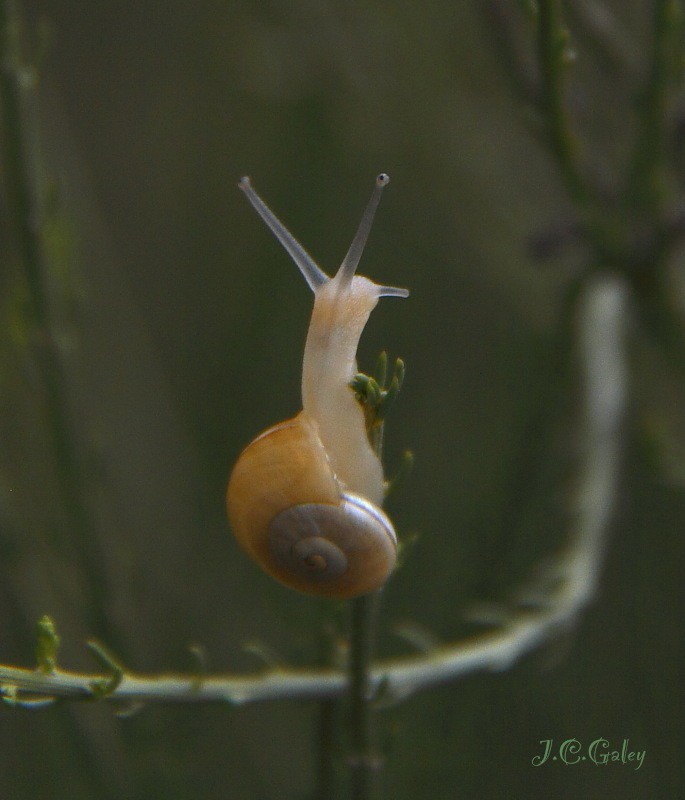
pixel 334 550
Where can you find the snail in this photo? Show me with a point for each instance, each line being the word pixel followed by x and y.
pixel 304 498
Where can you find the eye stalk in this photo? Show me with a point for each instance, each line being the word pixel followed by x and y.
pixel 310 270
pixel 351 261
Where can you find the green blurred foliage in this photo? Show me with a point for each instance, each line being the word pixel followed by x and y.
pixel 182 324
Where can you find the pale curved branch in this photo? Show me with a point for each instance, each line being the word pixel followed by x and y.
pixel 565 589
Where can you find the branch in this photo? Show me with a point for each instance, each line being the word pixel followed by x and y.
pixel 361 691
pixel 22 174
pixel 552 46
pixel 554 603
pixel 376 396
pixel 647 185
pixel 498 18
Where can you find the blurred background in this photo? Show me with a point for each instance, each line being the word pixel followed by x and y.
pixel 181 323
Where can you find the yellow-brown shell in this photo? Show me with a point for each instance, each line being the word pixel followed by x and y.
pixel 291 514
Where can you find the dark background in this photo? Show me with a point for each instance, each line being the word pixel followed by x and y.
pixel 181 325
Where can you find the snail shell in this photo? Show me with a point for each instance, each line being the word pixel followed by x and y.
pixel 297 521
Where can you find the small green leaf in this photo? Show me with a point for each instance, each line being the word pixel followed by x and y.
pixel 129 709
pixel 47 644
pixel 399 372
pixel 200 657
pixel 373 394
pixel 404 547
pixel 388 396
pixel 264 653
pixel 417 636
pixel 382 369
pixel 9 693
pixel 359 385
pixel 375 399
pixel 201 660
pixel 102 687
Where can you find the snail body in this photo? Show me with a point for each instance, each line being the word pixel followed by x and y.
pixel 304 498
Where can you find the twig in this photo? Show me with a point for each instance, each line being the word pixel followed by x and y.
pixel 595 219
pixel 497 16
pixel 328 715
pixel 363 761
pixel 376 396
pixel 25 207
pixel 647 180
pixel 326 740
pixel 22 173
pixel 552 42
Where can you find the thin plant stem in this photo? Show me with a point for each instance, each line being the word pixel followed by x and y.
pixel 376 395
pixel 647 190
pixel 552 45
pixel 327 725
pixel 515 66
pixel 364 612
pixel 647 181
pixel 25 217
pixel 552 52
pixel 363 760
pixel 326 741
pixel 22 171
pixel 25 212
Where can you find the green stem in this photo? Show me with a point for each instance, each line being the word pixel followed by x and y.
pixel 328 720
pixel 647 185
pixel 515 68
pixel 22 169
pixel 25 213
pixel 375 395
pixel 647 180
pixel 601 228
pixel 362 756
pixel 326 739
pixel 551 46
